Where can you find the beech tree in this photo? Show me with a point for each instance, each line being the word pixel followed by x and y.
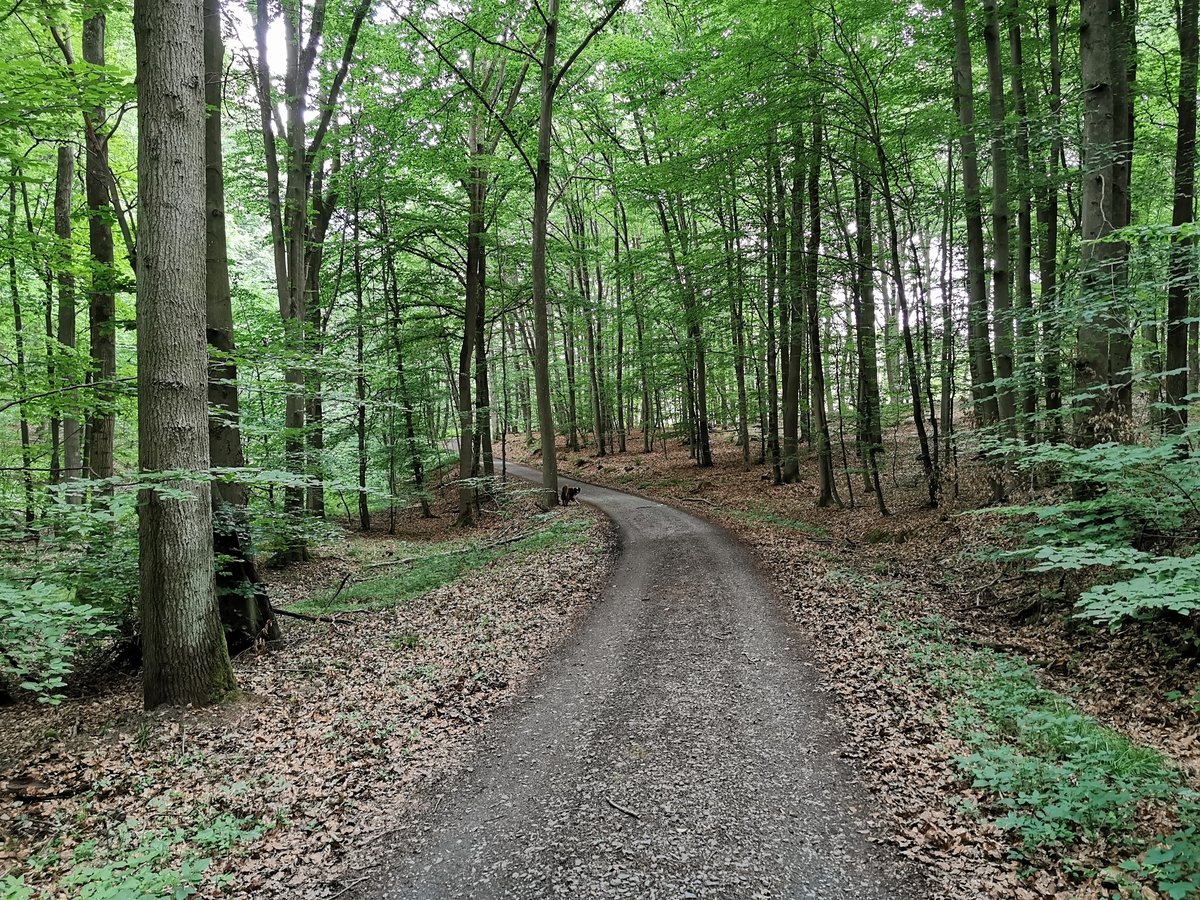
pixel 186 659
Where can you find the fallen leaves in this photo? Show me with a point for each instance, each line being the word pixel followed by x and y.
pixel 336 737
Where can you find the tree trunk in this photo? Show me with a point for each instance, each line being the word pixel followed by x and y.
pixel 360 373
pixel 242 598
pixel 772 284
pixel 186 660
pixel 792 317
pixel 72 436
pixel 541 216
pixel 19 341
pixel 870 430
pixel 827 484
pixel 1048 241
pixel 1001 238
pixel 102 310
pixel 1124 75
pixel 466 362
pixel 1182 273
pixel 1026 326
pixel 983 375
pixel 1099 259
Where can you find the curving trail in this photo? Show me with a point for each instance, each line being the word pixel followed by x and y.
pixel 678 747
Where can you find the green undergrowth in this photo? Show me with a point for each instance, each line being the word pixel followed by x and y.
pixel 147 864
pixel 1054 777
pixel 760 516
pixel 421 568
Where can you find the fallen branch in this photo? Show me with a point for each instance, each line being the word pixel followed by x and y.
pixel 697 500
pixel 619 808
pixel 304 617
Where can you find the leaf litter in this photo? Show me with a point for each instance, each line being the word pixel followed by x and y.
pixel 339 734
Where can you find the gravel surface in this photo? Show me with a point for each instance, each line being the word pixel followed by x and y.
pixel 678 747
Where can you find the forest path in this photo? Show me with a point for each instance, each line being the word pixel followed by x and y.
pixel 677 747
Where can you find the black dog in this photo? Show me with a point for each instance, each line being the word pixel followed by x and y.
pixel 569 494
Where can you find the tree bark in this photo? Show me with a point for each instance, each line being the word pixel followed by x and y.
pixel 1099 259
pixel 102 310
pixel 242 598
pixel 72 435
pixel 541 216
pixel 826 482
pixel 983 375
pixel 19 341
pixel 1001 238
pixel 1048 211
pixel 870 428
pixel 186 660
pixel 1182 273
pixel 1026 325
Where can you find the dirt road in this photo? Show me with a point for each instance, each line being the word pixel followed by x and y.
pixel 678 747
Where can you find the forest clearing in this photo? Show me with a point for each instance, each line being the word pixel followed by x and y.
pixel 620 448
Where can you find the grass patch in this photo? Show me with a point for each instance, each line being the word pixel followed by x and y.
pixel 431 566
pixel 1053 776
pixel 760 516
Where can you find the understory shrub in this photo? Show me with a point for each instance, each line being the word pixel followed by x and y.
pixel 1126 517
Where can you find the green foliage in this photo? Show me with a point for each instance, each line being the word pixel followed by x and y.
pixel 163 863
pixel 1059 775
pixel 44 627
pixel 1128 518
pixel 1050 774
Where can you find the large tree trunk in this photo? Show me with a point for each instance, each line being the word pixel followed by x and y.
pixel 466 364
pixel 983 375
pixel 1124 74
pixel 772 284
pixel 1026 325
pixel 360 374
pixel 1184 211
pixel 788 279
pixel 242 597
pixel 186 660
pixel 870 429
pixel 102 310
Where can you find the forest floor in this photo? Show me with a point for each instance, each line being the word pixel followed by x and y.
pixel 346 729
pixel 1016 752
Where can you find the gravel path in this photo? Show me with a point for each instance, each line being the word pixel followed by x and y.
pixel 678 747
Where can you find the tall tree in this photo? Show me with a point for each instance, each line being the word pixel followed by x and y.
pixel 1183 212
pixel 242 597
pixel 185 656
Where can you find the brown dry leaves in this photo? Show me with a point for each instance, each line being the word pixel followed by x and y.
pixel 329 747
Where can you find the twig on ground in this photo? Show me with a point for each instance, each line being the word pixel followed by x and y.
pixel 304 617
pixel 619 808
